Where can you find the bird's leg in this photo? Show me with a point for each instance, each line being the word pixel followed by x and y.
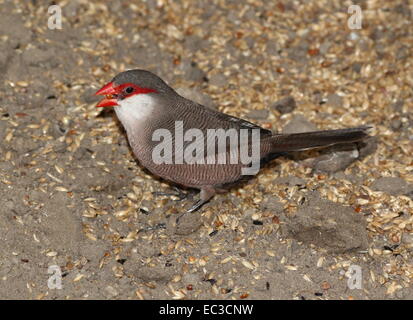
pixel 178 193
pixel 204 196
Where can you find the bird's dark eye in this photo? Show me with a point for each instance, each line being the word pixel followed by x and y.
pixel 129 90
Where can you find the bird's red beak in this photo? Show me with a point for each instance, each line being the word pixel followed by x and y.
pixel 110 92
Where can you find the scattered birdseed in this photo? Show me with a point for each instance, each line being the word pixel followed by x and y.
pixel 66 171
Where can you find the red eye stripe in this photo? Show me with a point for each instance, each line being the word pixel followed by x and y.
pixel 137 90
pixel 113 94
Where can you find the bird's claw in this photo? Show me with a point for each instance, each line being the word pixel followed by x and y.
pixel 197 205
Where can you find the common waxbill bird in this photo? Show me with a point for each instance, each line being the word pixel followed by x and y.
pixel 144 103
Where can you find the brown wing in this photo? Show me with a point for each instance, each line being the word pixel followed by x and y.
pixel 195 116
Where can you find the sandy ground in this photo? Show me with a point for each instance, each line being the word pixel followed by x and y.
pixel 73 196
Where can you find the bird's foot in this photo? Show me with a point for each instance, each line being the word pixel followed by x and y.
pixel 178 194
pixel 197 205
pixel 205 195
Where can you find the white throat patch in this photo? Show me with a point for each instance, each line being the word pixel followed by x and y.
pixel 134 109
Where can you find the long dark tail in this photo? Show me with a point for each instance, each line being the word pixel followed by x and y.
pixel 315 139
